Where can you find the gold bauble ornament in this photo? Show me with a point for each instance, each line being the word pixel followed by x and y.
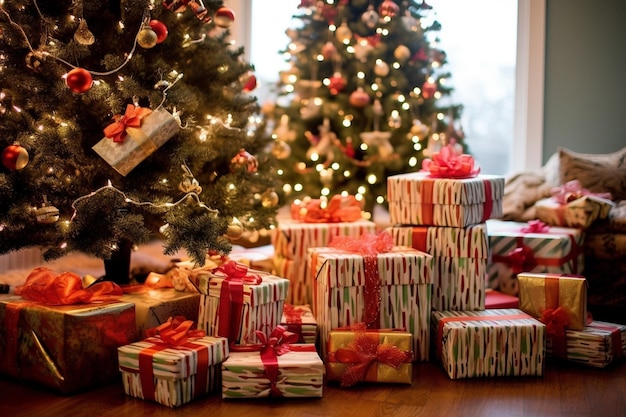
pixel 269 198
pixel 147 38
pixel 83 35
pixel 234 231
pixel 281 149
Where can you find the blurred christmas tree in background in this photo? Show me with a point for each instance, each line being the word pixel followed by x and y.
pixel 362 98
pixel 125 121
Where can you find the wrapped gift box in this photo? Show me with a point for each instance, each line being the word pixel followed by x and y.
pixel 301 321
pixel 579 213
pixel 67 348
pixel 460 262
pixel 172 375
pixel 388 352
pixel 236 307
pixel 418 199
pixel 298 373
pixel 539 293
pixel 400 291
pixel 497 299
pixel 530 247
pixel 155 306
pixel 292 240
pixel 498 342
pixel 598 344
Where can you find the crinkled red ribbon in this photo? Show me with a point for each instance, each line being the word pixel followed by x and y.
pixel 535 226
pixel 521 259
pixel 364 351
pixel 368 245
pixel 47 287
pixel 176 331
pixel 131 118
pixel 573 190
pixel 556 320
pixel 448 163
pixel 293 319
pixel 338 209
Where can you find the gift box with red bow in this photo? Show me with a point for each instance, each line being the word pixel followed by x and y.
pixel 174 366
pixel 460 262
pixel 301 321
pixel 235 301
pixel 489 343
pixel 134 136
pixel 420 199
pixel 531 247
pixel 370 280
pixel 274 367
pixel 357 355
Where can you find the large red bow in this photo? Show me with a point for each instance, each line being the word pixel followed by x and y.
pixel 573 190
pixel 44 286
pixel 176 331
pixel 338 209
pixel 535 226
pixel 237 271
pixel 448 163
pixel 522 259
pixel 131 118
pixel 556 320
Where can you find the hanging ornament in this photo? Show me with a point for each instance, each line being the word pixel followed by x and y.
pixel 83 35
pixel 224 17
pixel 418 131
pixel 329 51
pixel 269 198
pixel 234 229
pixel 359 98
pixel 34 60
pixel 244 161
pixel 159 28
pixel 201 12
pixel 381 68
pixel 79 80
pixel 249 82
pixel 15 157
pixel 388 9
pixel 147 37
pixel 343 33
pixel 402 53
pixel 370 17
pixel 189 184
pixel 176 6
pixel 336 83
pixel 281 149
pixel 429 88
pixel 46 214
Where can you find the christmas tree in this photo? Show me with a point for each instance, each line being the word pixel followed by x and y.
pixel 361 98
pixel 124 121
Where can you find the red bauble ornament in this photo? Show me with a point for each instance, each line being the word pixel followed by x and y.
pixel 389 9
pixel 249 83
pixel 159 28
pixel 244 160
pixel 428 89
pixel 14 157
pixel 79 80
pixel 224 17
pixel 359 98
pixel 336 84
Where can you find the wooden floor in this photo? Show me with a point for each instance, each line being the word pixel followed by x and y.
pixel 565 389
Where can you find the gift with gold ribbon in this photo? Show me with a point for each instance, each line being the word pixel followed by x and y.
pixel 301 321
pixel 174 365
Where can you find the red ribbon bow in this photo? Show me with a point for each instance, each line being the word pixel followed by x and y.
pixel 44 286
pixel 176 331
pixel 338 209
pixel 364 351
pixel 556 320
pixel 535 226
pixel 573 190
pixel 522 259
pixel 131 118
pixel 449 163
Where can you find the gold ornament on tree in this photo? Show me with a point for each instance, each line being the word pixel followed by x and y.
pixel 46 214
pixel 147 37
pixel 189 184
pixel 83 35
pixel 235 229
pixel 269 198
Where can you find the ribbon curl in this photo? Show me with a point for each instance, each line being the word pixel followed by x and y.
pixel 131 118
pixel 176 331
pixel 449 163
pixel 339 209
pixel 573 190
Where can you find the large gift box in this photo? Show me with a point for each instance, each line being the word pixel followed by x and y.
pixel 460 262
pixel 390 289
pixel 531 247
pixel 236 301
pixel 545 296
pixel 358 354
pixel 498 342
pixel 301 321
pixel 293 238
pixel 154 306
pixel 274 367
pixel 68 348
pixel 418 199
pixel 172 374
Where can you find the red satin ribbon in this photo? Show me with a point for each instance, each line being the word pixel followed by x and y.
pixel 573 190
pixel 131 118
pixel 339 209
pixel 448 163
pixel 176 331
pixel 555 317
pixel 293 320
pixel 535 226
pixel 45 286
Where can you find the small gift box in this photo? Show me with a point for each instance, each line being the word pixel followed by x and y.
pixel 236 301
pixel 154 306
pixel 422 200
pixel 460 262
pixel 358 354
pixel 552 297
pixel 498 342
pixel 598 344
pixel 275 367
pixel 175 366
pixel 135 136
pixel 531 247
pixel 300 321
pixel 372 281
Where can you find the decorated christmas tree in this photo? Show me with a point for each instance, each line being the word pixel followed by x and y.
pixel 123 121
pixel 366 95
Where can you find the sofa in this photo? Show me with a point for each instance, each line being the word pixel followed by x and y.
pixel 605 239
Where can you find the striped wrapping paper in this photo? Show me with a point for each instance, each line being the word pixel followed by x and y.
pixel 262 305
pixel 498 342
pixel 558 251
pixel 292 240
pixel 174 369
pixel 300 374
pixel 405 293
pixel 460 262
pixel 579 213
pixel 598 344
pixel 418 199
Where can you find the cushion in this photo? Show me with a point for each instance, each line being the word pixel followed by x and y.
pixel 596 172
